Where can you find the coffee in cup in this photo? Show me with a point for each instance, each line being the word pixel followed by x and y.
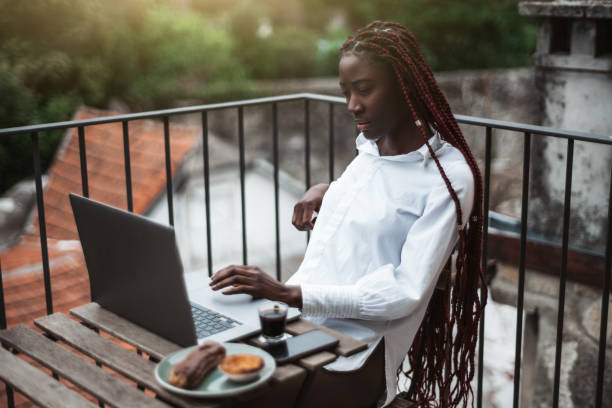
pixel 273 316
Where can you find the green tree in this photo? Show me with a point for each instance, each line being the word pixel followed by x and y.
pixel 454 35
pixel 57 54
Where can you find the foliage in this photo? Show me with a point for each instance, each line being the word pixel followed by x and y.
pixel 454 35
pixel 57 54
pixel 286 51
pixel 183 56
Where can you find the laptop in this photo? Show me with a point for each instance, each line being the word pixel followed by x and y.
pixel 135 271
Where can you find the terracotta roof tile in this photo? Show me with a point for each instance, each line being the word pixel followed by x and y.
pixel 24 294
pixel 21 264
pixel 105 167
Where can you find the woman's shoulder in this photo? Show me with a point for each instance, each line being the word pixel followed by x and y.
pixel 455 166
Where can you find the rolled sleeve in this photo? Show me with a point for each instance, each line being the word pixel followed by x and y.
pixel 330 300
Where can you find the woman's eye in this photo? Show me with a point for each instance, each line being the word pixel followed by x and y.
pixel 363 91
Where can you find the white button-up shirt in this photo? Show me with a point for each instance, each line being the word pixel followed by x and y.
pixel 385 230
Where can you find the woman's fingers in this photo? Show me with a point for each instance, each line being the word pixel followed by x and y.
pixel 228 272
pixel 297 215
pixel 247 279
pixel 234 280
pixel 302 217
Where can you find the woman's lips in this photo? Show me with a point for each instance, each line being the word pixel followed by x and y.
pixel 363 126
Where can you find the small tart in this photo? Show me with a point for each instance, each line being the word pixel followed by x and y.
pixel 241 363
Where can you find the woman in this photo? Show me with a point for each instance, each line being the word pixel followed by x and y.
pixel 386 229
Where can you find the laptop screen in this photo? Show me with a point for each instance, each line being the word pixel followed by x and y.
pixel 134 269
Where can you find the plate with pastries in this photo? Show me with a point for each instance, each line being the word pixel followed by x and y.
pixel 214 369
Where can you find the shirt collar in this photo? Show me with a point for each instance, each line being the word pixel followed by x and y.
pixel 422 153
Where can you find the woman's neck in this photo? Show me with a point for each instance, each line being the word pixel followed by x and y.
pixel 403 141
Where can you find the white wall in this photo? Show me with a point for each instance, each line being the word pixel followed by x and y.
pixel 226 221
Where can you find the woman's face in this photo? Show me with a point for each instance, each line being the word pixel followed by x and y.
pixel 373 97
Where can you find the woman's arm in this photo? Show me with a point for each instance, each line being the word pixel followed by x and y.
pixel 307 205
pixel 255 282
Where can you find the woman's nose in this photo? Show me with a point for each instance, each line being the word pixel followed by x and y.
pixel 354 106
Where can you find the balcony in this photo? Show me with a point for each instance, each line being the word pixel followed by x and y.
pixel 508 241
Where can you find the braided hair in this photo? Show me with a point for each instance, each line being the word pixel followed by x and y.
pixel 443 351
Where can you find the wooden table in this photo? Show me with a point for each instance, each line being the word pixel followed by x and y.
pixel 111 360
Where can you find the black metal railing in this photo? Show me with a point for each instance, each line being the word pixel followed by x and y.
pixel 528 132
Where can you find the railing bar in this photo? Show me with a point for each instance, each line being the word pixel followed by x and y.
pixel 10 400
pixel 128 167
pixel 168 170
pixel 497 124
pixel 562 282
pixel 169 112
pixel 538 131
pixel 2 305
pixel 276 187
pixel 83 155
pixel 331 142
pixel 41 223
pixel 242 191
pixel 206 155
pixel 521 284
pixel 603 327
pixel 481 338
pixel 307 150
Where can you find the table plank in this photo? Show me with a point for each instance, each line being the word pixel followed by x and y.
pixel 103 385
pixel 317 360
pixel 113 355
pixel 347 345
pixel 38 386
pixel 96 316
pixel 152 344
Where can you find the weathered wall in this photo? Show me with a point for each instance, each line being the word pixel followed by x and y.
pixel 508 94
pixel 575 100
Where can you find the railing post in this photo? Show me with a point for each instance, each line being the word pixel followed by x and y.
pixel 205 153
pixel 603 327
pixel 481 338
pixel 521 284
pixel 83 156
pixel 561 307
pixel 307 150
pixel 41 223
pixel 128 169
pixel 2 304
pixel 9 390
pixel 242 189
pixel 168 171
pixel 331 142
pixel 276 187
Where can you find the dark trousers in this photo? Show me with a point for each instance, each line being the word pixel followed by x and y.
pixel 358 388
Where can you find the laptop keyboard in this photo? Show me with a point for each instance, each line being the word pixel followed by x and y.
pixel 208 322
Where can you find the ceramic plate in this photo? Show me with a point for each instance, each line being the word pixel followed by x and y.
pixel 215 384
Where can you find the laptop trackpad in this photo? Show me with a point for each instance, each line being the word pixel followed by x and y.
pixel 218 297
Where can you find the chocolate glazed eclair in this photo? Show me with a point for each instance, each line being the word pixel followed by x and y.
pixel 190 372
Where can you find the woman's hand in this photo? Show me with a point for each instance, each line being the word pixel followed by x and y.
pixel 308 204
pixel 255 282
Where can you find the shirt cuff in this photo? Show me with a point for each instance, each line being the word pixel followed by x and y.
pixel 330 300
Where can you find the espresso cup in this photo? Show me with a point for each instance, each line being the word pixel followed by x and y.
pixel 273 316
